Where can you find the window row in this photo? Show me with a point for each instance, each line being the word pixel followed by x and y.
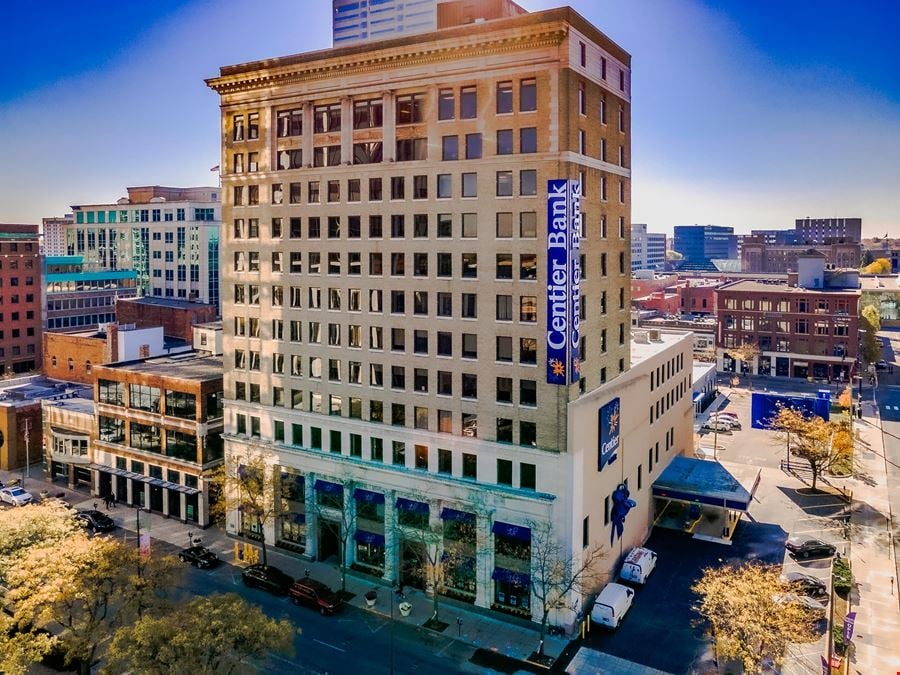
pixel 420 226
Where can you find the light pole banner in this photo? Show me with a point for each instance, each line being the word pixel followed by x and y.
pixel 563 280
pixel 849 621
pixel 145 545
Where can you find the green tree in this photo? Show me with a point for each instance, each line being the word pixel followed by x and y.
pixel 83 589
pixel 867 258
pixel 751 615
pixel 871 324
pixel 20 649
pixel 209 635
pixel 246 486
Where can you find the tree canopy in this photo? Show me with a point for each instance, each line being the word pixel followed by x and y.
pixel 751 614
pixel 878 266
pixel 208 635
pixel 870 322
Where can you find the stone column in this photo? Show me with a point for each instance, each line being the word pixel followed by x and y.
pixel 307 134
pixel 346 130
pixel 130 493
pixel 165 501
pixel 484 561
pixel 183 499
pixel 389 116
pixel 71 480
pixel 311 516
pixel 349 519
pixel 391 539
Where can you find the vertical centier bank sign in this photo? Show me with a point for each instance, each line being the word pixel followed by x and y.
pixel 563 280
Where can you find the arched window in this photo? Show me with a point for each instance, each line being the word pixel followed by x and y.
pixel 53 362
pixel 87 366
pixel 71 364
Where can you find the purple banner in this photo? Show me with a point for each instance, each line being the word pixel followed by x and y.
pixel 575 280
pixel 849 621
pixel 825 669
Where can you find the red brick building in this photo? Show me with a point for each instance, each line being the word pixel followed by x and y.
pixel 20 299
pixel 804 328
pixel 177 317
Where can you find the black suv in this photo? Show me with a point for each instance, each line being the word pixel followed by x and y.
pixel 199 556
pixel 314 594
pixel 95 521
pixel 268 578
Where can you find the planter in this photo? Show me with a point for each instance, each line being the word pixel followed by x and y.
pixel 405 608
pixel 371 597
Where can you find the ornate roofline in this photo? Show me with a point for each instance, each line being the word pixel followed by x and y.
pixel 386 59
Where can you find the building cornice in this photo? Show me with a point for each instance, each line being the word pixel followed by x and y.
pixel 388 59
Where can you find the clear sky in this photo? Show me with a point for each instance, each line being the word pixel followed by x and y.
pixel 745 113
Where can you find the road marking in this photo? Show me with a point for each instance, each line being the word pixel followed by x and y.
pixel 325 644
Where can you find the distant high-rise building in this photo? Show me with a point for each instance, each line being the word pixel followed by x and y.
pixel 367 20
pixel 648 249
pixel 54 235
pixel 700 244
pixel 169 236
pixel 828 230
pixel 775 237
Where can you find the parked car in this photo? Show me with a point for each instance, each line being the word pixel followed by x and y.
pixel 199 556
pixel 808 547
pixel 15 496
pixel 638 565
pixel 612 604
pixel 268 578
pixel 813 607
pixel 730 420
pixel 806 584
pixel 95 521
pixel 315 594
pixel 724 414
pixel 720 426
pixel 881 365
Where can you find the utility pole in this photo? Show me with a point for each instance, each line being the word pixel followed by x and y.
pixel 25 470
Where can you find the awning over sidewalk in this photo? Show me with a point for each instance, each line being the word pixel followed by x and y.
pixel 156 482
pixel 698 480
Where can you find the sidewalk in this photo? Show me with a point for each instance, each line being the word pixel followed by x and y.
pixel 877 632
pixel 509 637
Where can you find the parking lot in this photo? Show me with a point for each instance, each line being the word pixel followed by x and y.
pixel 661 630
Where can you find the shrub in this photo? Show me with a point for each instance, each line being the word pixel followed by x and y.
pixel 841 576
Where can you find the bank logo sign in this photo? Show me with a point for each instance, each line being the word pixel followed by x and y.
pixel 563 280
pixel 610 424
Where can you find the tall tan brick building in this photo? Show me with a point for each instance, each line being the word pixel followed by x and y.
pixel 385 282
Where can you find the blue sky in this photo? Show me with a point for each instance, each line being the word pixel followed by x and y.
pixel 748 114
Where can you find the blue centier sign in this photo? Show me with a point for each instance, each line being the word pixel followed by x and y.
pixel 610 424
pixel 563 280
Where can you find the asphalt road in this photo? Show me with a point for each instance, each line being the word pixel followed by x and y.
pixel 353 641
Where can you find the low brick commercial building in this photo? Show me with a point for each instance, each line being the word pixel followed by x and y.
pixel 159 433
pixel 807 327
pixel 177 317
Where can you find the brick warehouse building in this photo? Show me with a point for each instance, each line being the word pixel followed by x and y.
pixel 385 285
pixel 20 299
pixel 806 327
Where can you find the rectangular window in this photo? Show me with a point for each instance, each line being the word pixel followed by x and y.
pixel 410 109
pixel 470 185
pixel 504 472
pixel 446 104
pixel 468 103
pixel 527 95
pixel 473 146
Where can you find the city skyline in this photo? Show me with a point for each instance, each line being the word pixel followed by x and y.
pixel 82 124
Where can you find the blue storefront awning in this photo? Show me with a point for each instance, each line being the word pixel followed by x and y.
pixel 459 516
pixel 698 396
pixel 520 579
pixel 361 495
pixel 512 531
pixel 364 537
pixel 404 504
pixel 329 487
pixel 298 518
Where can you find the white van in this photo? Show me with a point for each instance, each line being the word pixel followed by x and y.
pixel 638 565
pixel 612 604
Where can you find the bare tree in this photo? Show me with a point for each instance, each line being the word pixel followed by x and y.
pixel 557 574
pixel 246 485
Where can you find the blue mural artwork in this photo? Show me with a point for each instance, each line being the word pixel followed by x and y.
pixel 609 433
pixel 622 504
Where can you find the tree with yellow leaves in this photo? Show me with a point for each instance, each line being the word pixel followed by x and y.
pixel 751 614
pixel 208 635
pixel 83 588
pixel 21 530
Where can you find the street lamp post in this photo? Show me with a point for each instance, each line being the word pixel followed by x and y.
pixel 392 629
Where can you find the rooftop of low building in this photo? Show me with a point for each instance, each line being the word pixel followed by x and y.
pixel 185 366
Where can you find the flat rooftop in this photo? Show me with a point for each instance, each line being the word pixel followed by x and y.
pixel 750 286
pixel 77 404
pixel 885 282
pixel 187 366
pixel 645 350
pixel 34 388
pixel 165 302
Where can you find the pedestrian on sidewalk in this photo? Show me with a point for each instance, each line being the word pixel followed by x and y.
pixel 106 501
pixel 114 500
